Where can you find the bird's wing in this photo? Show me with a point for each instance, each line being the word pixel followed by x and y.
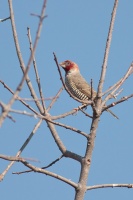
pixel 82 85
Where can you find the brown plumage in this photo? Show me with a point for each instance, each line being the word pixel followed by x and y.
pixel 76 84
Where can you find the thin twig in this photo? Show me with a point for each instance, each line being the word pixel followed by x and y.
pixel 36 15
pixel 127 185
pixel 36 71
pixel 27 171
pixel 2 20
pixel 117 102
pixel 24 113
pixel 86 114
pixel 108 43
pixel 122 80
pixel 55 98
pixel 112 87
pixel 72 112
pixel 38 115
pixel 8 106
pixel 43 171
pixel 40 170
pixel 3 106
pixel 70 128
pixel 86 162
pixel 21 149
pixel 39 99
pixel 16 158
pixel 52 163
pixel 22 101
pixel 29 84
pixel 25 71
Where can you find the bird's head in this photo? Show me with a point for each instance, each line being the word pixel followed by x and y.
pixel 69 66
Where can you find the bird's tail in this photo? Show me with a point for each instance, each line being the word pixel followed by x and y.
pixel 112 113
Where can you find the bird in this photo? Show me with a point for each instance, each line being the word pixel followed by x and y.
pixel 77 85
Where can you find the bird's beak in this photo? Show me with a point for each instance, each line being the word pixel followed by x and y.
pixel 62 64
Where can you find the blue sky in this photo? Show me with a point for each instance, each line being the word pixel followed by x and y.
pixel 75 30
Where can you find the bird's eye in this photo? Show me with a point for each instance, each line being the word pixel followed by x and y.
pixel 68 63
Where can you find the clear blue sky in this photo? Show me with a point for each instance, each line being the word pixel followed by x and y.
pixel 75 30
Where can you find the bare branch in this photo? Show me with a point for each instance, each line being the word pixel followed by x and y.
pixel 43 171
pixel 36 71
pixel 20 99
pixel 55 98
pixel 33 94
pixel 69 127
pixel 108 43
pixel 2 20
pixel 21 149
pixel 117 102
pixel 39 99
pixel 112 87
pixel 72 112
pixel 36 15
pixel 15 158
pixel 85 167
pixel 39 170
pixel 122 80
pixel 86 114
pixel 52 163
pixel 26 171
pixel 25 71
pixel 3 106
pixel 127 185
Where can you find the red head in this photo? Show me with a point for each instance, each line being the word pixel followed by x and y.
pixel 69 66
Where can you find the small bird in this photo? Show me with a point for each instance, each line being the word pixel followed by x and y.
pixel 76 84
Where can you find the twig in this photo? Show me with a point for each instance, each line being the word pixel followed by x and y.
pixel 108 43
pixel 69 127
pixel 36 71
pixel 39 99
pixel 52 163
pixel 122 80
pixel 15 158
pixel 43 171
pixel 86 162
pixel 112 87
pixel 86 114
pixel 11 118
pixel 2 20
pixel 3 106
pixel 117 102
pixel 25 71
pixel 72 112
pixel 22 101
pixel 24 113
pixel 55 99
pixel 26 171
pixel 29 84
pixel 19 87
pixel 21 149
pixel 33 94
pixel 36 15
pixel 8 106
pixel 38 115
pixel 49 119
pixel 128 185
